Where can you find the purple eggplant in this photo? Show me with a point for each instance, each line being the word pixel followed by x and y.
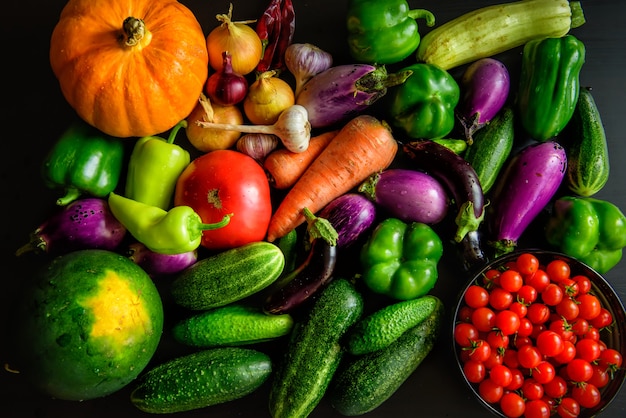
pixel 459 178
pixel 485 85
pixel 83 224
pixel 352 215
pixel 526 186
pixel 156 264
pixel 410 195
pixel 344 90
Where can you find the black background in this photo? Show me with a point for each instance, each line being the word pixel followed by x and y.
pixel 35 114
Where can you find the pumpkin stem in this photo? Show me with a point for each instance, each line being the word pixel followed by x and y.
pixel 134 30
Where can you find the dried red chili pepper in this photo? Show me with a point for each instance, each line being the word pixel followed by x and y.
pixel 276 28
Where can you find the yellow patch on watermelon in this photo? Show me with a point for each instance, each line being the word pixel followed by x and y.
pixel 119 313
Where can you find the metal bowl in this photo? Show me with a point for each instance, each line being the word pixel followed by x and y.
pixel 614 336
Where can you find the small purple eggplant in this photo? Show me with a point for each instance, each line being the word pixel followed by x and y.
pixel 351 214
pixel 485 85
pixel 344 90
pixel 410 195
pixel 83 224
pixel 527 185
pixel 156 264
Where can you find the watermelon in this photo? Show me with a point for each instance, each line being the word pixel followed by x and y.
pixel 89 324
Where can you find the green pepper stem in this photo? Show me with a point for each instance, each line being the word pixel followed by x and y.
pixel 423 14
pixel 71 194
pixel 578 17
pixel 175 129
pixel 320 228
pixel 217 225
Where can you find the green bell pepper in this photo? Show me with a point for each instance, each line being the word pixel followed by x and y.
pixel 549 84
pixel 83 161
pixel 384 31
pixel 154 167
pixel 176 231
pixel 400 260
pixel 588 229
pixel 423 106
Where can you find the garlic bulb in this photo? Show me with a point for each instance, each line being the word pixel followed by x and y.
pixel 304 61
pixel 257 146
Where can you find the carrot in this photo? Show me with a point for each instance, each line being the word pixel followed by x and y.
pixel 361 148
pixel 284 167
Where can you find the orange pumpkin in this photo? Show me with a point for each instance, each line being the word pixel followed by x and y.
pixel 129 67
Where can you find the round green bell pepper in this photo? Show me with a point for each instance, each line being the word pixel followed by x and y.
pixel 383 31
pixel 588 229
pixel 400 260
pixel 423 106
pixel 83 161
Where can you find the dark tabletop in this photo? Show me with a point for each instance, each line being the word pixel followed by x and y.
pixel 35 114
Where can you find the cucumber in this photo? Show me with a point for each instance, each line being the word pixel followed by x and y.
pixel 491 148
pixel 314 351
pixel 201 379
pixel 231 325
pixel 379 329
pixel 587 153
pixel 362 383
pixel 228 276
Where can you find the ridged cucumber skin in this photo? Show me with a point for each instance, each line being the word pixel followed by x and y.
pixel 492 147
pixel 494 29
pixel 228 276
pixel 588 153
pixel 231 325
pixel 384 326
pixel 314 351
pixel 201 379
pixel 363 383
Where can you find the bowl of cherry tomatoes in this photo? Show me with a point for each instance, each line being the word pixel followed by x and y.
pixel 538 334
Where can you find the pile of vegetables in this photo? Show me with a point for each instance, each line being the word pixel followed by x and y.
pixel 294 206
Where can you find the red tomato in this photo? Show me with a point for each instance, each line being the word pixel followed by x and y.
pixel 501 375
pixel 517 380
pixel 589 306
pixel 476 296
pixel 587 395
pixel 529 356
pixel 511 280
pixel 539 280
pixel 500 299
pixel 552 295
pixel 588 349
pixel 603 319
pixel 222 182
pixel 512 405
pixel 600 376
pixel 479 351
pixel 532 389
pixel 579 370
pixel 555 388
pixel 474 371
pixel 568 408
pixel 544 372
pixel 537 408
pixel 527 264
pixel 558 270
pixel 490 391
pixel 527 294
pixel 484 319
pixel 465 333
pixel 507 322
pixel 611 358
pixel 568 309
pixel 584 284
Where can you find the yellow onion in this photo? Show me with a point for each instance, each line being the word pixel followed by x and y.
pixel 239 39
pixel 207 139
pixel 267 98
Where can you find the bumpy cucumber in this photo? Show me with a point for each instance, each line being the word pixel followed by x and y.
pixel 362 383
pixel 314 351
pixel 491 148
pixel 228 276
pixel 201 379
pixel 587 153
pixel 382 327
pixel 231 325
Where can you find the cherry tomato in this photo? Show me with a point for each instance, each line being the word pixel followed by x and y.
pixel 520 341
pixel 497 340
pixel 507 322
pixel 512 405
pixel 593 333
pixel 610 358
pixel 550 343
pixel 537 408
pixel 555 388
pixel 517 379
pixel 539 280
pixel 587 395
pixel 494 359
pixel 484 319
pixel 570 287
pixel 579 370
pixel 465 314
pixel 588 349
pixel 525 327
pixel 510 359
pixel 603 319
pixel 589 306
pixel 568 309
pixel 580 326
pixel 529 356
pixel 568 408
pixel 544 372
pixel 562 327
pixel 465 333
pixel 568 353
pixel 538 313
pixel 491 278
pixel 500 375
pixel 480 350
pixel 600 376
pixel 527 264
pixel 519 308
pixel 511 280
pixel 214 187
pixel 474 371
pixel 532 389
pixel 584 284
pixel 558 270
pixel 476 296
pixel 552 295
pixel 527 294
pixel 500 299
pixel 490 391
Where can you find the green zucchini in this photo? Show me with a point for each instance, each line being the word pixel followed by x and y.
pixel 362 383
pixel 201 379
pixel 491 147
pixel 587 153
pixel 228 276
pixel 231 325
pixel 314 351
pixel 382 327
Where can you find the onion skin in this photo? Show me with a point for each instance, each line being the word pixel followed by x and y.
pixel 530 180
pixel 344 90
pixel 352 215
pixel 226 87
pixel 156 264
pixel 485 85
pixel 410 195
pixel 83 224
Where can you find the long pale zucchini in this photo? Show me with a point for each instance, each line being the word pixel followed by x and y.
pixel 494 29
